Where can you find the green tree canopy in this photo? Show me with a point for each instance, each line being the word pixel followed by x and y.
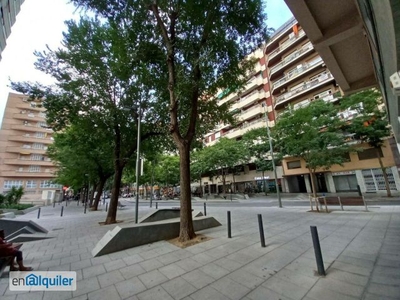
pixel 313 133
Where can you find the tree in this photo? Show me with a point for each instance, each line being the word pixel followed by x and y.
pixel 194 49
pixel 99 79
pixel 313 133
pixel 370 124
pixel 224 156
pixel 257 143
pixel 79 151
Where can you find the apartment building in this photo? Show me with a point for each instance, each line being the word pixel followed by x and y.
pixel 254 110
pixel 297 76
pixel 9 10
pixel 24 138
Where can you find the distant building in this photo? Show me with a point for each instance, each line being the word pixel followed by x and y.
pixel 24 138
pixel 9 10
pixel 291 72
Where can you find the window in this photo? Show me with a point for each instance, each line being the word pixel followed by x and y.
pixel 36 157
pixel 41 124
pixel 34 168
pixel 31 184
pixel 294 164
pixel 49 184
pixel 369 154
pixel 323 94
pixel 40 134
pixel 38 146
pixel 8 184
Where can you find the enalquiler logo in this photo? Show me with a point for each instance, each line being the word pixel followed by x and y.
pixel 43 281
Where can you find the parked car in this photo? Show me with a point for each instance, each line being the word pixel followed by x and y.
pixel 127 195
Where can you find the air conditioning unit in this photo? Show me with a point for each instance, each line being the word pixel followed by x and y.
pixel 395 83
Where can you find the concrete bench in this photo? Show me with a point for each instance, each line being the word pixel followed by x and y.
pixel 343 201
pixel 6 261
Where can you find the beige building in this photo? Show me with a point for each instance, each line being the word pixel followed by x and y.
pixel 290 72
pixel 24 138
pixel 9 10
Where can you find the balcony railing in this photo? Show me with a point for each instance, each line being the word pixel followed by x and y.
pixel 251 112
pixel 307 85
pixel 286 44
pixel 307 47
pixel 295 72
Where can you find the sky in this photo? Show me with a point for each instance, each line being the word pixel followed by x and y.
pixel 41 23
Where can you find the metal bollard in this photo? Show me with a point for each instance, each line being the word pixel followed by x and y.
pixel 261 228
pixel 77 203
pixel 38 213
pixel 205 209
pixel 317 250
pixel 156 205
pixel 84 211
pixel 106 206
pixel 62 210
pixel 54 204
pixel 229 225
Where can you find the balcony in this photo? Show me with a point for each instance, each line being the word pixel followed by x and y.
pixel 22 150
pixel 28 117
pixel 29 162
pixel 295 73
pixel 250 98
pixel 30 139
pixel 31 128
pixel 306 87
pixel 286 45
pixel 27 174
pixel 281 31
pixel 247 126
pixel 307 48
pixel 250 113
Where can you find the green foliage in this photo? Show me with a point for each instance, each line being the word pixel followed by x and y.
pixel 370 125
pixel 12 197
pixel 17 206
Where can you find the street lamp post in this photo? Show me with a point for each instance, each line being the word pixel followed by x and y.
pixel 137 167
pixel 271 149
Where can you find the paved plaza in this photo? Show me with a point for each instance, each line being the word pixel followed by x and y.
pixel 361 252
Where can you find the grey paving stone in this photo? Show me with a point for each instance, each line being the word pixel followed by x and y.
pixel 168 258
pixel 368 264
pixel 86 286
pixel 340 287
pixel 385 279
pixel 230 288
pixel 347 277
pixel 214 270
pixel 149 254
pixel 115 264
pixel 110 278
pixel 262 293
pixel 245 278
pixel 351 268
pixel 208 293
pixel 30 296
pixel 297 278
pixel 203 258
pixel 198 278
pixel 70 259
pixel 285 288
pixel 93 271
pixel 54 295
pixel 51 263
pixel 384 290
pixel 133 259
pixel 65 267
pixel 188 264
pixel 132 271
pixel 318 293
pixel 109 293
pixel 130 287
pixel 171 271
pixel 152 278
pixel 228 264
pixel 151 264
pixel 99 260
pixel 86 255
pixel 9 297
pixel 375 297
pixel 155 293
pixel 178 288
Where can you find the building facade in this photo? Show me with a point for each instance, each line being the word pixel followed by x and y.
pixel 24 139
pixel 297 76
pixel 9 10
pixel 291 73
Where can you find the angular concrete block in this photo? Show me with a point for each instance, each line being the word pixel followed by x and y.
pixel 124 238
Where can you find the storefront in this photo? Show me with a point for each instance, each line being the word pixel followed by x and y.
pixel 345 181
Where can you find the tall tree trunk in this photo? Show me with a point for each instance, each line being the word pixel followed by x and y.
pixel 82 196
pixel 314 190
pixel 186 226
pixel 264 182
pixel 91 194
pixel 100 188
pixel 389 193
pixel 112 210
